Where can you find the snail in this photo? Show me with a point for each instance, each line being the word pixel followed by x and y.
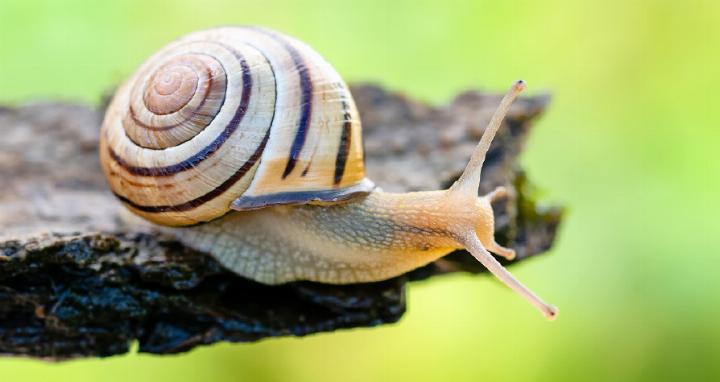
pixel 246 144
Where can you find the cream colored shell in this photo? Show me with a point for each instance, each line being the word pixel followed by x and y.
pixel 233 117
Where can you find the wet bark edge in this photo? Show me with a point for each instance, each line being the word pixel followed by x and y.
pixel 76 281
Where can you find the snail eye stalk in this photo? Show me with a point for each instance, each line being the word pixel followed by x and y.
pixel 467 187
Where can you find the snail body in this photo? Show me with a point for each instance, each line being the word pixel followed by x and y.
pixel 371 238
pixel 246 144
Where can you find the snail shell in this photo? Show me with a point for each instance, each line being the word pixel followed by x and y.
pixel 233 117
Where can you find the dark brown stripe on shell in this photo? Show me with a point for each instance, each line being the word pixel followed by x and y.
pixel 306 89
pixel 217 191
pixel 305 114
pixel 310 162
pixel 344 148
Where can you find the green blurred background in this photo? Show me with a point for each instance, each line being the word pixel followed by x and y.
pixel 630 145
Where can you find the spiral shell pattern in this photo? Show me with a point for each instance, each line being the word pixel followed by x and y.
pixel 234 117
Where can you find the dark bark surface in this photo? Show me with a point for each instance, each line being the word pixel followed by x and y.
pixel 75 280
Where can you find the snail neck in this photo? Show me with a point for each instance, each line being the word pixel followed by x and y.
pixel 434 218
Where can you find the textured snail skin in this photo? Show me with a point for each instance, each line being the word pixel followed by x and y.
pixel 365 239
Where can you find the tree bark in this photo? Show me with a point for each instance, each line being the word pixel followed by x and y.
pixel 75 280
